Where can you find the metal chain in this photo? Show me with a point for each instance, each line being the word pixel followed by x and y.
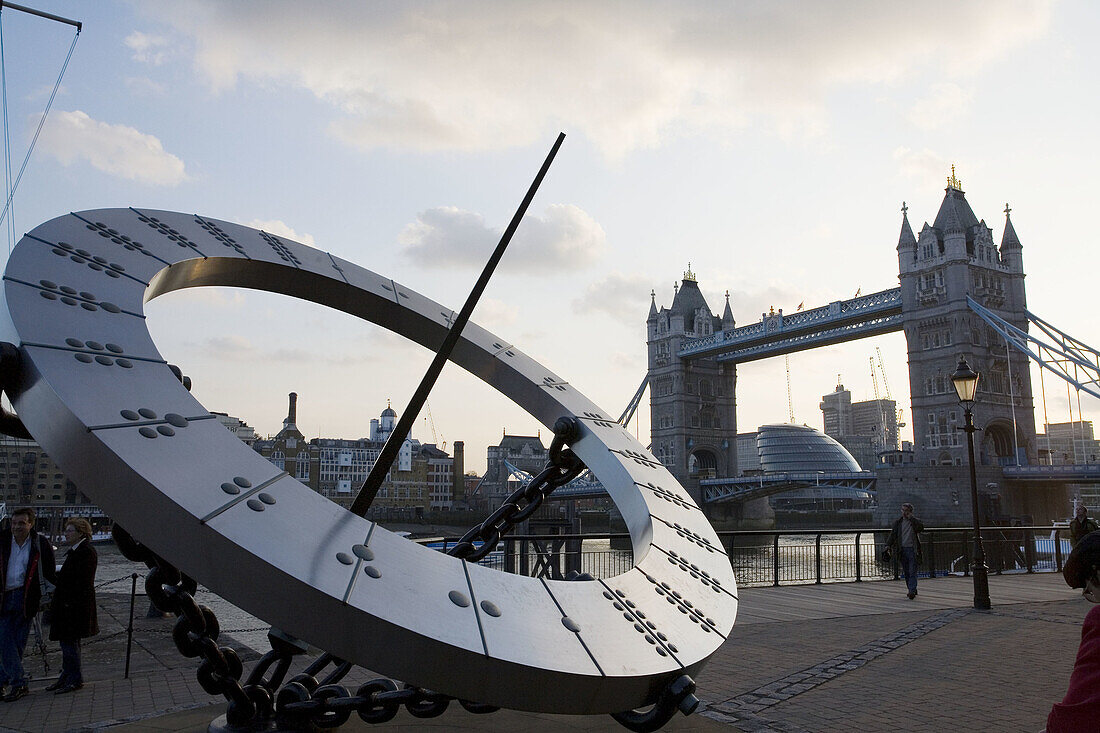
pixel 196 631
pixel 677 695
pixel 564 466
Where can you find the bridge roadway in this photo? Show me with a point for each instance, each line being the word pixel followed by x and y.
pixel 836 657
pixel 777 334
pixel 742 488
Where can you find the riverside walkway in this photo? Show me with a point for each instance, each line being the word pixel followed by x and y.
pixel 808 658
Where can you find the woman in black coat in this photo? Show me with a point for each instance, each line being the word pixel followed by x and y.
pixel 73 611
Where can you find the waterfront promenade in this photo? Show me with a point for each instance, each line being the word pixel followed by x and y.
pixel 819 658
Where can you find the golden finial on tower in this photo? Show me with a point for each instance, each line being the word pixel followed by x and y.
pixel 954 182
pixel 689 275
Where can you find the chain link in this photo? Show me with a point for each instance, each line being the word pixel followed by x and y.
pixel 564 466
pixel 196 630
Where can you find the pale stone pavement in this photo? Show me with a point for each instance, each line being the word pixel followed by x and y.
pixel 834 657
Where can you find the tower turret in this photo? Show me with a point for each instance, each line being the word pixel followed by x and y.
pixel 727 315
pixel 1012 252
pixel 907 242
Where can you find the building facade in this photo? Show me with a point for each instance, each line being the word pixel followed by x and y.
pixel 29 477
pixel 954 257
pixel 1069 443
pixel 421 478
pixel 525 452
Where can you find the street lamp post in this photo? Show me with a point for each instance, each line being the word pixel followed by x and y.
pixel 965 380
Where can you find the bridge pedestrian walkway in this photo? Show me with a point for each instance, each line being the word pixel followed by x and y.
pixel 811 658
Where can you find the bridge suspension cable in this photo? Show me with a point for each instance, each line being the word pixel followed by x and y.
pixel 632 407
pixel 12 182
pixel 1070 358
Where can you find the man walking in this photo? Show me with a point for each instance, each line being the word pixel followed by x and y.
pixel 1081 524
pixel 25 558
pixel 904 544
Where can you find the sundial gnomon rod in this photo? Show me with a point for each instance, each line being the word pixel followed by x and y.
pixel 385 459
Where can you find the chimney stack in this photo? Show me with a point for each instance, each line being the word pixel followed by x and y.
pixel 292 415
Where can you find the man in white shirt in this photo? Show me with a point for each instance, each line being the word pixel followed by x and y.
pixel 24 559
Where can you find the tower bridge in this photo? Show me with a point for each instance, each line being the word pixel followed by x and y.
pixel 960 295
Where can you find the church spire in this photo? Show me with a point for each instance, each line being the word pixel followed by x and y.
pixel 906 240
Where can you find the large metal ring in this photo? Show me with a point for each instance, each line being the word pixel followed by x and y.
pixel 98 396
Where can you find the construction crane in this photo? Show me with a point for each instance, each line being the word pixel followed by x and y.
pixel 886 385
pixel 878 401
pixel 790 402
pixel 882 368
pixel 874 379
pixel 431 424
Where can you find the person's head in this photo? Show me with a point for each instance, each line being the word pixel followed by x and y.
pixel 76 529
pixel 906 509
pixel 22 522
pixel 1082 512
pixel 1082 568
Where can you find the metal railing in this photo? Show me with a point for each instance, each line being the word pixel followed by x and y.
pixel 769 557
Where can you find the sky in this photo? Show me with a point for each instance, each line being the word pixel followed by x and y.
pixel 769 145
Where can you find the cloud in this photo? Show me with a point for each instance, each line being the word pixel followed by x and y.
pixel 944 104
pixel 483 75
pixel 280 229
pixel 925 166
pixel 147 49
pixel 495 314
pixel 143 86
pixel 214 297
pixel 623 297
pixel 118 150
pixel 239 349
pixel 565 238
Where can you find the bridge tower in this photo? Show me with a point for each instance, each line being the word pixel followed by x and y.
pixel 953 257
pixel 692 413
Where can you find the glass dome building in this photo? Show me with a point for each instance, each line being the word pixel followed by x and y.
pixel 786 447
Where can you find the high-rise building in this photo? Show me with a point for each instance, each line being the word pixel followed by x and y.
pixel 836 412
pixel 864 428
pixel 878 420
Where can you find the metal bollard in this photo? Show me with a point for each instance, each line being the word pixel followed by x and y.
pixel 859 568
pixel 817 558
pixel 130 628
pixel 931 554
pixel 775 559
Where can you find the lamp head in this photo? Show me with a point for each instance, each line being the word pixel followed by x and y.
pixel 965 380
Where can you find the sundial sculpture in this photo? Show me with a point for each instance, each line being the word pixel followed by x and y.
pixel 90 386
